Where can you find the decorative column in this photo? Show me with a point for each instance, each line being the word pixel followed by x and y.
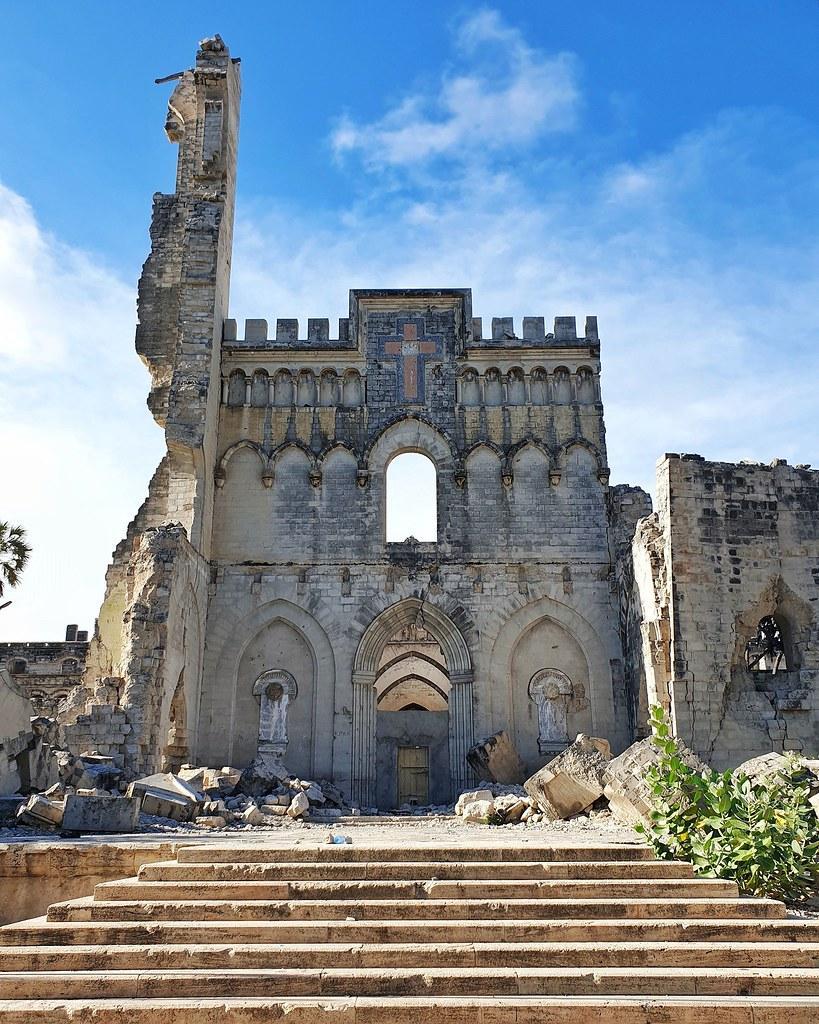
pixel 461 736
pixel 363 739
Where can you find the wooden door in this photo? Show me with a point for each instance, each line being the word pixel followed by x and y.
pixel 413 776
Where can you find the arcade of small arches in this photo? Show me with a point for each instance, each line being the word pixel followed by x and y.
pixel 555 461
pixel 517 386
pixel 285 388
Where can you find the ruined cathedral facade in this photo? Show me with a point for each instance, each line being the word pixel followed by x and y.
pixel 256 606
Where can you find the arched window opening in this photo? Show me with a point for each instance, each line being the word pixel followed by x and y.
pixel 412 498
pixel 765 651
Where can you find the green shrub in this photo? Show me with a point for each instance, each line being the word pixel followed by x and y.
pixel 762 835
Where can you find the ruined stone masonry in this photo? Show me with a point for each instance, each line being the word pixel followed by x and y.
pixel 256 605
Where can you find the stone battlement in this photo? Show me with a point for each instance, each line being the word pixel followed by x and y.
pixel 502 334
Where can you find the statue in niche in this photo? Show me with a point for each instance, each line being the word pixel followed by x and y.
pixel 551 691
pixel 276 689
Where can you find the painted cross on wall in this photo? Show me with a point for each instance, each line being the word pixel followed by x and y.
pixel 411 347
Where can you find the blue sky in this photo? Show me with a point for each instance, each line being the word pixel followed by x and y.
pixel 654 164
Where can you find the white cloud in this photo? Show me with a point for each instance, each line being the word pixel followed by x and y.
pixel 78 445
pixel 511 96
pixel 697 266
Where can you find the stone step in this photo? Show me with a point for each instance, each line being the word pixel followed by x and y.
pixel 66 933
pixel 414 1010
pixel 489 955
pixel 409 981
pixel 89 909
pixel 472 889
pixel 319 852
pixel 171 871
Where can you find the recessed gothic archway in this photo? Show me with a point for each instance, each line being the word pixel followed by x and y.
pixel 365 669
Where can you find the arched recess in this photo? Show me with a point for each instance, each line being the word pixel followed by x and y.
pixel 365 669
pixel 486 502
pixel 580 632
pixel 322 700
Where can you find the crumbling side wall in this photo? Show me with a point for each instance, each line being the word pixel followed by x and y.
pixel 731 545
pixel 131 718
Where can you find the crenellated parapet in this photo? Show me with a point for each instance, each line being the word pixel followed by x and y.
pixel 286 333
pixel 533 334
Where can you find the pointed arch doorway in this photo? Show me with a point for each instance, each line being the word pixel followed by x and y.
pixel 439 678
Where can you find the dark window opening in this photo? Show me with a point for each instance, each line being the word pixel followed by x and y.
pixel 765 651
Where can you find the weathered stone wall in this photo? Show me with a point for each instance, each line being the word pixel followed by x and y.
pixel 729 545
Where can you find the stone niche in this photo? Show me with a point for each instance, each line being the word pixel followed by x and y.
pixel 273 707
pixel 549 687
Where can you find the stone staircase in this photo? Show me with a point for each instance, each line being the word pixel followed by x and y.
pixel 422 933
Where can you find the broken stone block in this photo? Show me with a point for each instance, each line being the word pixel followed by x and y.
pixel 166 805
pixel 470 796
pixel 170 783
pixel 496 758
pixel 261 776
pixel 251 815
pixel 167 796
pixel 314 794
pixel 100 813
pixel 511 807
pixel 41 812
pixel 478 810
pixel 95 771
pixel 273 810
pixel 331 793
pixel 573 780
pixel 211 821
pixel 626 789
pixel 299 805
pixel 762 767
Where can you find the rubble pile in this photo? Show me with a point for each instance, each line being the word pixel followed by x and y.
pixel 584 779
pixel 88 798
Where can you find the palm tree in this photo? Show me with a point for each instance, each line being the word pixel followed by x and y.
pixel 14 554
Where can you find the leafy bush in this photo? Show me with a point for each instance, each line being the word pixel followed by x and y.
pixel 762 835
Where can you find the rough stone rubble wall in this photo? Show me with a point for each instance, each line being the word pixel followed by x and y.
pixel 729 545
